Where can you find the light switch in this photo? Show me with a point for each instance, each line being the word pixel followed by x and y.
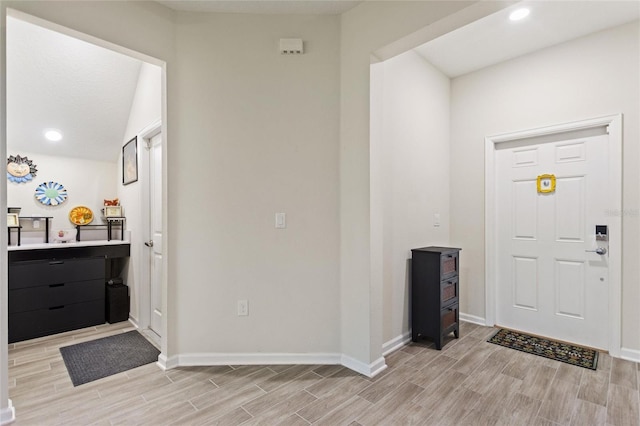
pixel 281 220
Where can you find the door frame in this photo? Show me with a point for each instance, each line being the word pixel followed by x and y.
pixel 614 127
pixel 144 305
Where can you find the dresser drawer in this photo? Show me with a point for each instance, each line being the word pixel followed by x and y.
pixel 54 295
pixel 449 318
pixel 448 265
pixel 448 291
pixel 38 273
pixel 32 324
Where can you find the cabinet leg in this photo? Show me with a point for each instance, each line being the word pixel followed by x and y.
pixel 456 333
pixel 414 337
pixel 438 343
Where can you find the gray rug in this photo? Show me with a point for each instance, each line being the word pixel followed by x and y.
pixel 93 360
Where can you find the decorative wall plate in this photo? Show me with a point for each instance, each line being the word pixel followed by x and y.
pixel 51 193
pixel 81 215
pixel 20 169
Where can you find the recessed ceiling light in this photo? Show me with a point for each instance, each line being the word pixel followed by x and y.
pixel 54 135
pixel 519 14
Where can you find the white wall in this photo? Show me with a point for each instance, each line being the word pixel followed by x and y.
pixel 365 29
pixel 87 182
pixel 411 161
pixel 589 77
pixel 7 412
pixel 146 108
pixel 147 100
pixel 257 134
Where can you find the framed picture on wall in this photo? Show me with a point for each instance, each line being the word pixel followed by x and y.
pixel 12 220
pixel 130 162
pixel 113 211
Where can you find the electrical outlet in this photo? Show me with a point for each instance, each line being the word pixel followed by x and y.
pixel 243 308
pixel 36 224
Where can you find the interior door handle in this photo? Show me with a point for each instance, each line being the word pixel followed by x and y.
pixel 599 250
pixel 149 243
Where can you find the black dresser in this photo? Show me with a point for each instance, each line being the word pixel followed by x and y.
pixel 434 293
pixel 60 289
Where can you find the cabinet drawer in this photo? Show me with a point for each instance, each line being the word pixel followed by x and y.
pixel 448 317
pixel 54 295
pixel 38 273
pixel 448 265
pixel 32 324
pixel 448 291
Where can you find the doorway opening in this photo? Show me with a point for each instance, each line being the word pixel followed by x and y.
pixel 101 96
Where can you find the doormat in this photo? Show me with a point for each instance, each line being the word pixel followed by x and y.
pixel 564 352
pixel 93 360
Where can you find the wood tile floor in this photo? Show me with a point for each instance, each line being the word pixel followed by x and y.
pixel 469 382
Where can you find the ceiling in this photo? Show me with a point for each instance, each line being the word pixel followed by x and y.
pixel 55 81
pixel 495 38
pixel 298 7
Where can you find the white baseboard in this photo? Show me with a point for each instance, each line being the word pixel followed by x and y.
pixel 396 343
pixel 472 319
pixel 134 322
pixel 8 414
pixel 369 370
pixel 630 354
pixel 402 340
pixel 249 359
pixel 202 359
pixel 168 363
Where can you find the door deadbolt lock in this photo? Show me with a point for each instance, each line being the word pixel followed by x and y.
pixel 149 243
pixel 602 233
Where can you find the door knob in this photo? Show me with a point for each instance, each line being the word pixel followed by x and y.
pixel 149 243
pixel 599 250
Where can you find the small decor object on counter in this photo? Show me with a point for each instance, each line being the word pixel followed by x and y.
pixel 113 211
pixel 114 202
pixel 51 193
pixel 63 235
pixel 81 215
pixel 130 162
pixel 12 220
pixel 20 169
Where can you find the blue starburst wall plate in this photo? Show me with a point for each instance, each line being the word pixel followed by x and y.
pixel 51 193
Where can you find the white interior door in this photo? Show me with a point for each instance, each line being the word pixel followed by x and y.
pixel 155 232
pixel 549 280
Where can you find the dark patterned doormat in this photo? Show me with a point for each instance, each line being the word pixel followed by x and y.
pixel 564 352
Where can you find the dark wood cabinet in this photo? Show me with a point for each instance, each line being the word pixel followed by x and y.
pixel 61 289
pixel 434 293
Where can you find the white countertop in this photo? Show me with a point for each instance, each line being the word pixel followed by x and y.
pixel 67 245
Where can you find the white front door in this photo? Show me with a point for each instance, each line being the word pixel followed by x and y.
pixel 155 232
pixel 550 282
